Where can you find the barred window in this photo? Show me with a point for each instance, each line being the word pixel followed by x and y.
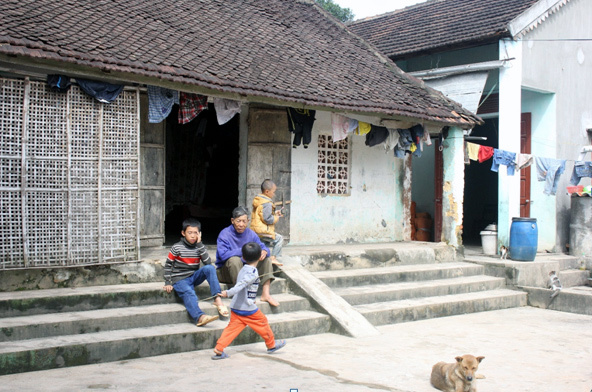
pixel 334 166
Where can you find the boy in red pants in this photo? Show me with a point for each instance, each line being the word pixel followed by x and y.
pixel 243 309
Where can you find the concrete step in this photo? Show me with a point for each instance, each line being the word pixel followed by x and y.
pixel 393 312
pixel 402 273
pixel 107 346
pixel 574 277
pixel 407 290
pixel 572 299
pixel 91 321
pixel 22 303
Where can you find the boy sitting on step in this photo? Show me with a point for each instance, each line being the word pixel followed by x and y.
pixel 244 312
pixel 188 265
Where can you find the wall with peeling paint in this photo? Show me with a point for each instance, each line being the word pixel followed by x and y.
pixel 372 213
pixel 453 189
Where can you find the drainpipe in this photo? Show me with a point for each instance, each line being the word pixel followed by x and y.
pixel 453 187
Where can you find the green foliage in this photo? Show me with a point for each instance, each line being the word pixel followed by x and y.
pixel 343 14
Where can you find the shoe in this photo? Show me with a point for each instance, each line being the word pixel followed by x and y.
pixel 205 319
pixel 221 356
pixel 278 344
pixel 223 311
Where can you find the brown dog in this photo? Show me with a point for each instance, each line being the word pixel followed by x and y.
pixel 456 377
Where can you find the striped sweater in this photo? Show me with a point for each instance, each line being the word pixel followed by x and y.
pixel 183 260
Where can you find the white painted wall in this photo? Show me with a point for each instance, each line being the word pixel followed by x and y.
pixel 557 58
pixel 373 211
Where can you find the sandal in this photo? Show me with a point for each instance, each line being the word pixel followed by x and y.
pixel 278 344
pixel 222 311
pixel 205 319
pixel 220 356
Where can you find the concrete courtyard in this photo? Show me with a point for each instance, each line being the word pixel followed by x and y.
pixel 525 349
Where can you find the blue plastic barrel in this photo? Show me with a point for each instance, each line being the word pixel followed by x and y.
pixel 524 238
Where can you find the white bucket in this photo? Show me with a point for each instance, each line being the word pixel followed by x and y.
pixel 489 242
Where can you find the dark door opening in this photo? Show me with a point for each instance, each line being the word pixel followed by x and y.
pixel 481 188
pixel 201 173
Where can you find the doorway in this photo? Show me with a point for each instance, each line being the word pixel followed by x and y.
pixel 201 173
pixel 481 188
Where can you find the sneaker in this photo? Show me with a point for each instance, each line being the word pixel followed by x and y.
pixel 205 319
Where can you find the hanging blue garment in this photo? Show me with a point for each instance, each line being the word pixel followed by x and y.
pixel 581 169
pixel 549 170
pixel 160 103
pixel 502 157
pixel 101 91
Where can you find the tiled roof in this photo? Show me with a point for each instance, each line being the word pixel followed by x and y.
pixel 286 51
pixel 439 24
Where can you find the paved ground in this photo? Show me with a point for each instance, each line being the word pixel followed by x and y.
pixel 525 349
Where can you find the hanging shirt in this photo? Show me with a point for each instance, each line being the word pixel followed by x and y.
pixel 226 109
pixel 376 136
pixel 363 128
pixel 340 125
pixel 160 103
pixel 190 106
pixel 352 125
pixel 473 151
pixel 502 157
pixel 485 152
pixel 549 170
pixel 392 140
pixel 581 169
pixel 524 160
pixel 300 122
pixel 101 91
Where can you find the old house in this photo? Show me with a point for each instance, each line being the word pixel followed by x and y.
pixel 89 176
pixel 523 66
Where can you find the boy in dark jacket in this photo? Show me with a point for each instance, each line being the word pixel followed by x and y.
pixel 188 265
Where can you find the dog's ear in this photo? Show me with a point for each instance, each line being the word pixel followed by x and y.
pixel 459 359
pixel 480 359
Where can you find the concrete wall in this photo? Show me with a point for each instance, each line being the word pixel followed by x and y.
pixel 553 63
pixel 372 213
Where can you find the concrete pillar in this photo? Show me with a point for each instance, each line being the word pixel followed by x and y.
pixel 453 187
pixel 510 80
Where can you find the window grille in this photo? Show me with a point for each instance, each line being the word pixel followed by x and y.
pixel 333 166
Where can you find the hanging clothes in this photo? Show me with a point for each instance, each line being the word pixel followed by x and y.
pixel 473 151
pixel 101 91
pixel 226 109
pixel 485 152
pixel 300 122
pixel 392 140
pixel 340 125
pixel 502 157
pixel 58 83
pixel 352 126
pixel 190 106
pixel 524 160
pixel 376 136
pixel 417 134
pixel 363 128
pixel 581 169
pixel 160 103
pixel 549 170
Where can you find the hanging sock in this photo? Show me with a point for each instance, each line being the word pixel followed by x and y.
pixel 300 122
pixel 549 170
pixel 190 106
pixel 226 109
pixel 101 91
pixel 160 103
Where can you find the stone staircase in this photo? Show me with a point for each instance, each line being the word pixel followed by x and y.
pixel 378 284
pixel 52 328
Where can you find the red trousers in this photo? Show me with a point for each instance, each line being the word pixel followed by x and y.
pixel 258 323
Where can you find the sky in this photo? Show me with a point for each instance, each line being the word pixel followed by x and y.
pixel 365 8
